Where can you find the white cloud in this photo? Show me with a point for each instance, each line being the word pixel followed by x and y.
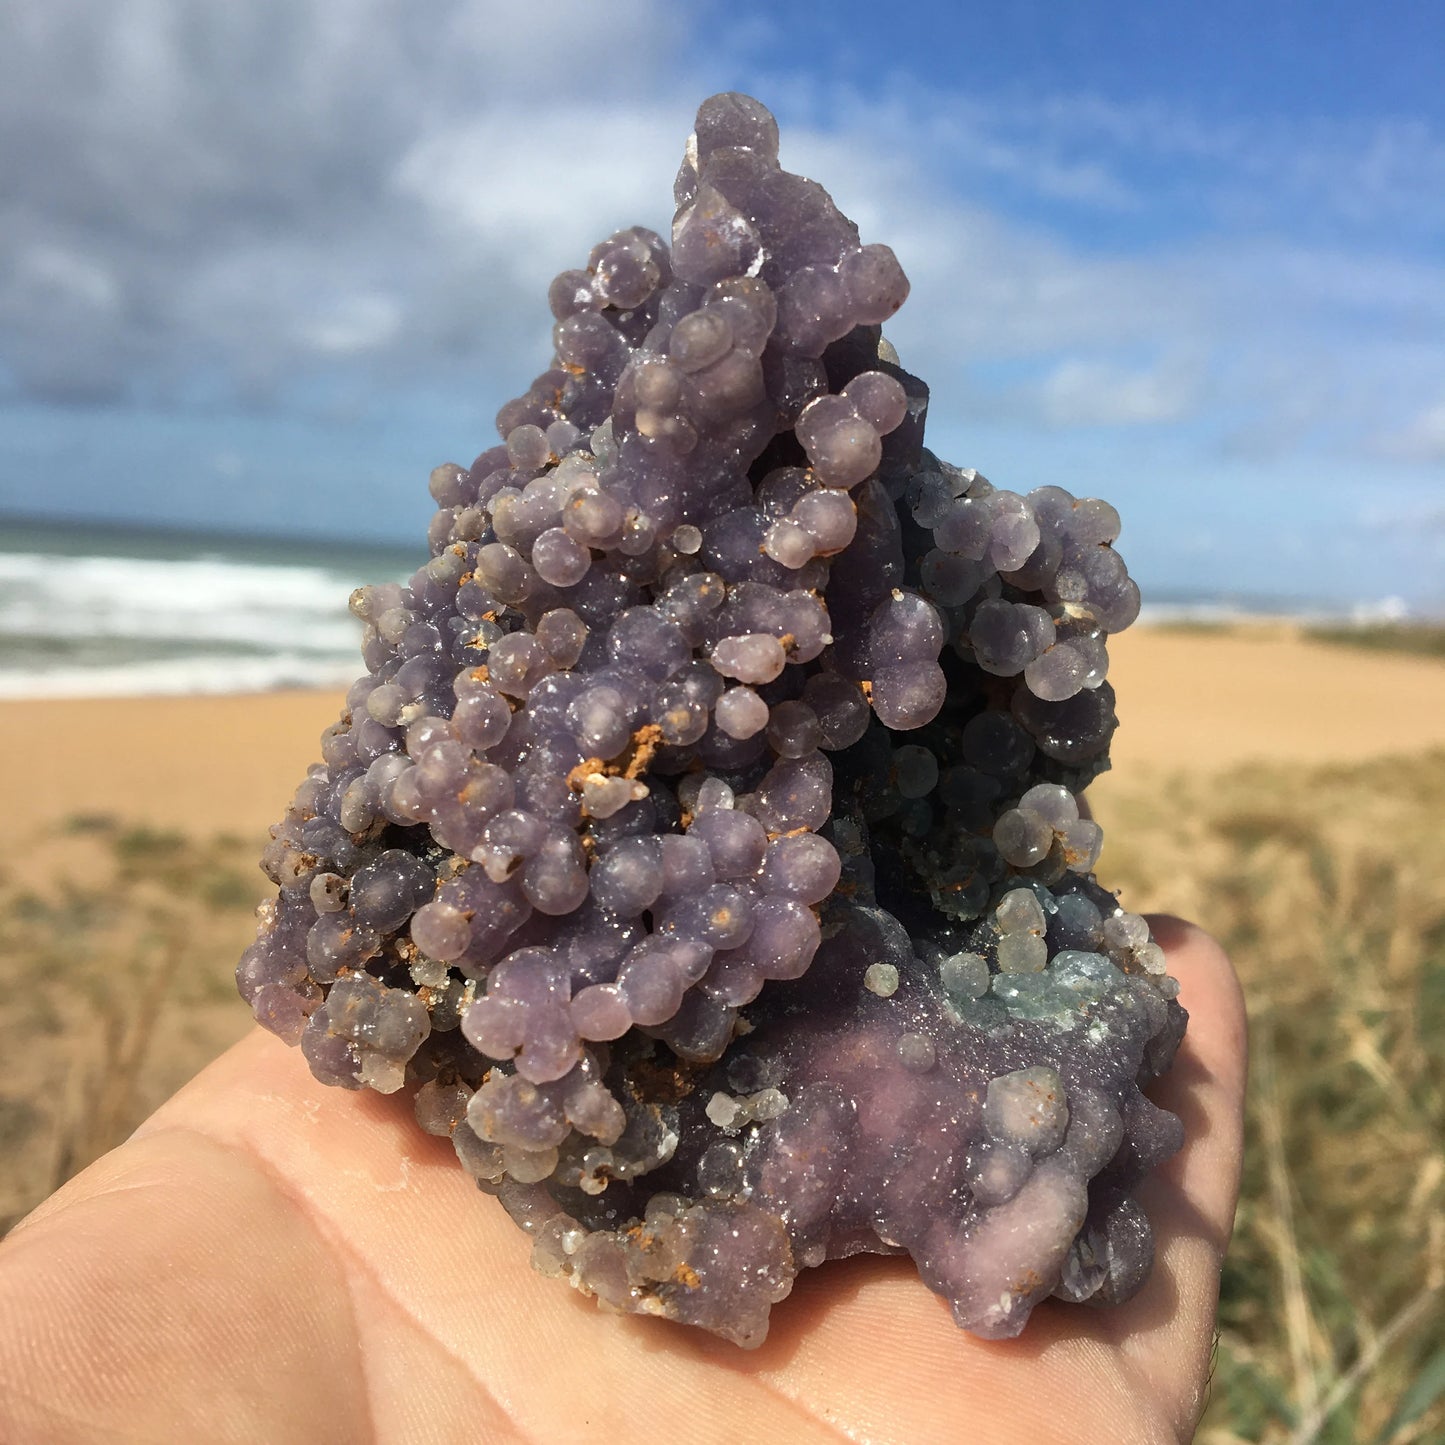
pixel 252 196
pixel 1082 392
pixel 539 194
pixel 1421 439
pixel 354 324
pixel 1418 516
pixel 1269 344
pixel 988 288
pixel 1371 173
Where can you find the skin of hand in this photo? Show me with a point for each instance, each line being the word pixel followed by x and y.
pixel 268 1260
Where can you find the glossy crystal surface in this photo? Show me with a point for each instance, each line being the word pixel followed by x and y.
pixel 701 847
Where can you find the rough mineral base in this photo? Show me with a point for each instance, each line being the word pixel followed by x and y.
pixel 701 848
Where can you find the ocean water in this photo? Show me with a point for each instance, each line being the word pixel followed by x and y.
pixel 109 611
pixel 95 612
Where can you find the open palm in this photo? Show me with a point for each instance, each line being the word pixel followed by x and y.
pixel 267 1260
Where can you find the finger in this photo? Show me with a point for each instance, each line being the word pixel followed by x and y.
pixel 427 1256
pixel 128 1302
pixel 1167 1331
pixel 1205 1088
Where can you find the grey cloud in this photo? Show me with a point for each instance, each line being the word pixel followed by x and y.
pixel 244 201
pixel 219 190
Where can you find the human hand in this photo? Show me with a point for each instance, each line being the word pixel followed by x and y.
pixel 269 1260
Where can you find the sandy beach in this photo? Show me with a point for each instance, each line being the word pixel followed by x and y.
pixel 131 893
pixel 1206 701
pixel 1192 702
pixel 143 819
pixel 196 764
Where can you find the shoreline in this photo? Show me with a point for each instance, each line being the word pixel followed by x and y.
pixel 1196 702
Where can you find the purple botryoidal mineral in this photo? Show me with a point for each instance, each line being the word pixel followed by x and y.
pixel 701 847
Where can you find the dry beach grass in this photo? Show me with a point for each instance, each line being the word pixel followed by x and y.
pixel 1309 845
pixel 1324 884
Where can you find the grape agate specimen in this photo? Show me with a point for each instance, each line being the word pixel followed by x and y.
pixel 701 848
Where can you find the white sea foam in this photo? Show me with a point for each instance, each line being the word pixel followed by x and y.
pixel 1229 612
pixel 199 674
pixel 78 620
pixel 93 625
pixel 210 599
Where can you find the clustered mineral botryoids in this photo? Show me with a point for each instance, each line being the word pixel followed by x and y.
pixel 701 847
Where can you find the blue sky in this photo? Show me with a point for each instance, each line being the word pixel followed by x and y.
pixel 263 265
